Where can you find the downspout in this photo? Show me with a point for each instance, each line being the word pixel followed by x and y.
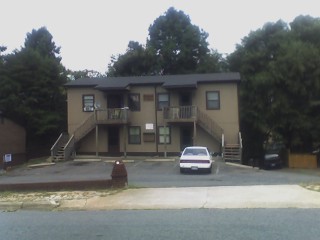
pixel 156 117
pixel 97 133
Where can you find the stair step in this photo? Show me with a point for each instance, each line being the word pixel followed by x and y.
pixel 232 153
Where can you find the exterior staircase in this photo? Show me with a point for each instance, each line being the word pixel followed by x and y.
pixel 58 149
pixel 209 125
pixel 65 145
pixel 232 153
pixel 60 155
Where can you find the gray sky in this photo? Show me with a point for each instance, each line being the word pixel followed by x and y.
pixel 90 31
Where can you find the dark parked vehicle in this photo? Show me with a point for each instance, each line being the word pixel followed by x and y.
pixel 274 155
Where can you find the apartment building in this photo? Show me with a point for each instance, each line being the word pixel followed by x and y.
pixel 151 115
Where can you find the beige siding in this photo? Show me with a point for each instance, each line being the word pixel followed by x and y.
pixel 75 109
pixel 226 117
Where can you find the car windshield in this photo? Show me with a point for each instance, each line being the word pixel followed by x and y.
pixel 195 151
pixel 273 148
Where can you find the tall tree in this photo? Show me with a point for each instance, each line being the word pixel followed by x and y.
pixel 280 70
pixel 74 75
pixel 136 61
pixel 174 46
pixel 179 45
pixel 33 93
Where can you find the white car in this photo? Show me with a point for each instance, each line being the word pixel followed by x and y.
pixel 196 158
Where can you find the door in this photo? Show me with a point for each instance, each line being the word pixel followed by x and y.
pixel 185 101
pixel 114 139
pixel 114 101
pixel 186 136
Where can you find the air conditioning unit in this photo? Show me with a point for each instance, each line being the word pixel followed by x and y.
pixel 88 108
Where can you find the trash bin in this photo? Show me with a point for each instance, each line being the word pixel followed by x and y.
pixel 119 174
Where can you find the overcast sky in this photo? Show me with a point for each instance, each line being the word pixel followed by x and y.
pixel 90 31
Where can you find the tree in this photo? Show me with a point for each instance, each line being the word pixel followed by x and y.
pixel 74 75
pixel 279 68
pixel 179 45
pixel 136 61
pixel 41 41
pixel 33 93
pixel 174 46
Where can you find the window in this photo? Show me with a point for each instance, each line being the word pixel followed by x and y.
pixel 134 135
pixel 134 101
pixel 164 133
pixel 88 103
pixel 163 100
pixel 213 100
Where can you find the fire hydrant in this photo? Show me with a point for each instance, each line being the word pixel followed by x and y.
pixel 119 175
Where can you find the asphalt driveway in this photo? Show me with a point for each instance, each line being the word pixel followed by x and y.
pixel 160 173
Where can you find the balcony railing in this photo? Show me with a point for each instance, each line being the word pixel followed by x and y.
pixel 101 116
pixel 112 115
pixel 180 114
pixel 193 114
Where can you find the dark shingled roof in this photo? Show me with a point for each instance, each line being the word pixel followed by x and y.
pixel 166 81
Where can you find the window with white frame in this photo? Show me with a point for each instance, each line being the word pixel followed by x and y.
pixel 134 101
pixel 164 135
pixel 163 100
pixel 134 135
pixel 213 100
pixel 88 103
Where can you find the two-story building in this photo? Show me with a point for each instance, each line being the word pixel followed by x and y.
pixel 151 115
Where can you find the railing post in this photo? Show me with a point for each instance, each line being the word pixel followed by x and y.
pixel 194 133
pixel 165 139
pixel 97 140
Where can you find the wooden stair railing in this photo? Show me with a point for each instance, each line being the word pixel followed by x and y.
pixel 85 127
pixel 208 124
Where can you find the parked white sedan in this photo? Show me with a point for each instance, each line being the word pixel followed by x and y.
pixel 196 158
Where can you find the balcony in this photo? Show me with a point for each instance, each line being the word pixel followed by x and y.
pixel 184 114
pixel 112 116
pixel 180 114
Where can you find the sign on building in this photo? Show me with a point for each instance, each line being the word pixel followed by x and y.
pixel 7 158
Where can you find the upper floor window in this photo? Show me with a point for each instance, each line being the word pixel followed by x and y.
pixel 134 135
pixel 163 100
pixel 88 103
pixel 134 101
pixel 213 100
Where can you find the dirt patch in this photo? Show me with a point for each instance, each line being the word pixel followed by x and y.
pixel 54 196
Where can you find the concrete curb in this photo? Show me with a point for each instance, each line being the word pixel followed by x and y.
pixel 40 205
pixel 238 165
pixel 160 160
pixel 221 197
pixel 10 206
pixel 88 160
pixel 28 205
pixel 40 165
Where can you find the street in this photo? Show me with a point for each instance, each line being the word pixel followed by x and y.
pixel 238 224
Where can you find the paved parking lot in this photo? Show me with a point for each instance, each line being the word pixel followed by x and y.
pixel 161 173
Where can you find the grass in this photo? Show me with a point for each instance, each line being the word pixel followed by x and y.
pixel 312 186
pixel 38 195
pixel 38 160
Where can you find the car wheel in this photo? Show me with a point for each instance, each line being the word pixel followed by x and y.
pixel 182 170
